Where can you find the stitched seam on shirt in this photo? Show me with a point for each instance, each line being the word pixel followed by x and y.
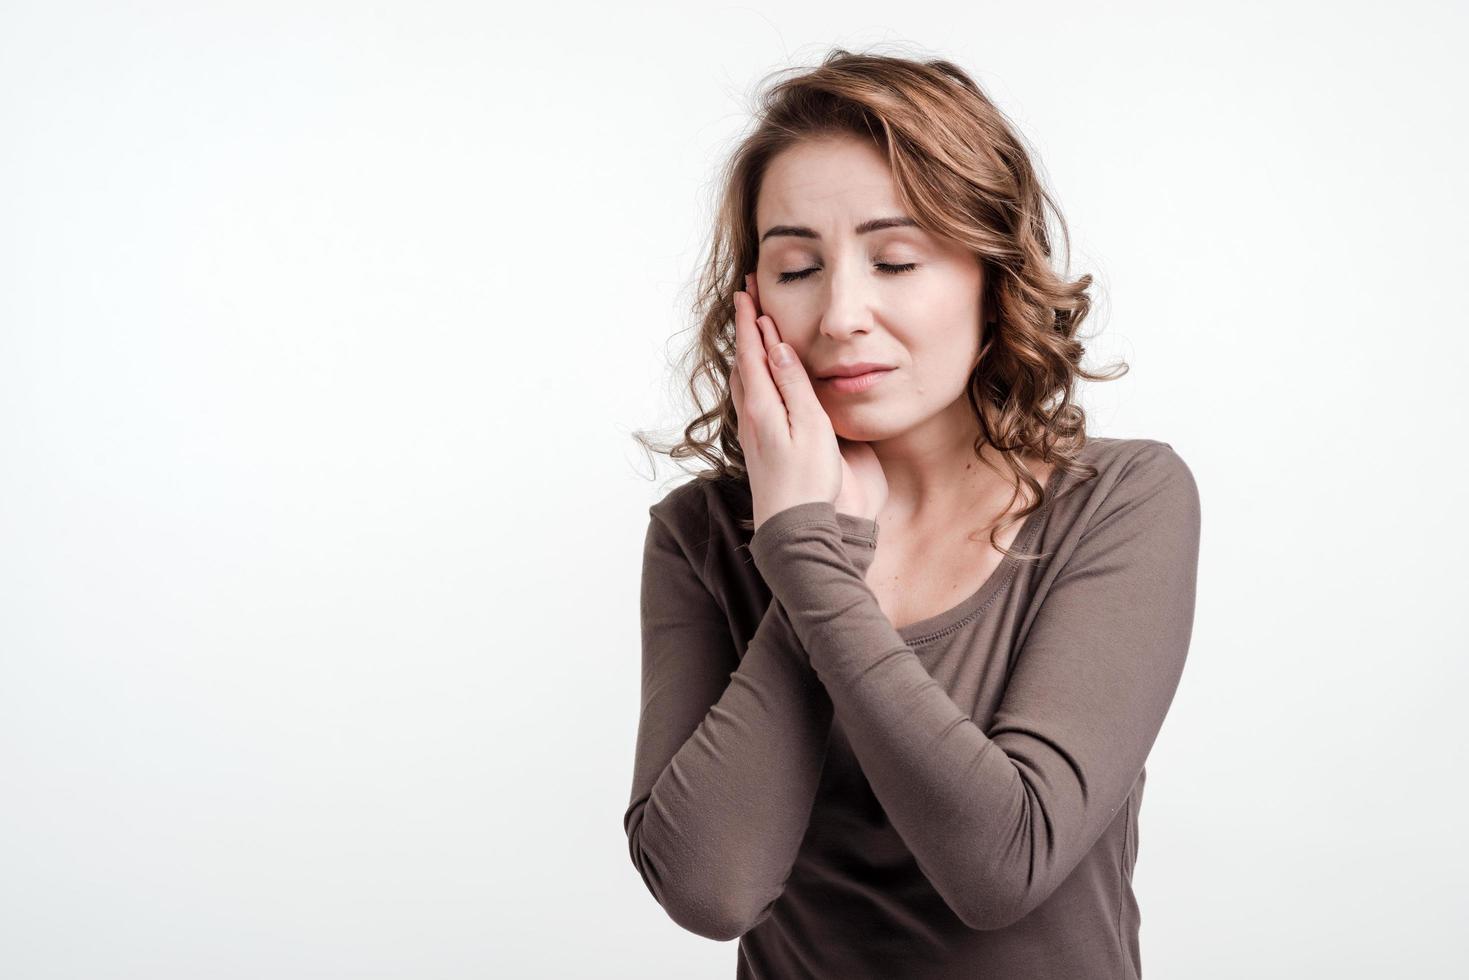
pixel 796 527
pixel 955 627
pixel 999 590
pixel 1121 865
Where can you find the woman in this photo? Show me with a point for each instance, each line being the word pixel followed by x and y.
pixel 923 758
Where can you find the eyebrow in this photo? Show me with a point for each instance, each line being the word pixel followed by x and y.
pixel 875 224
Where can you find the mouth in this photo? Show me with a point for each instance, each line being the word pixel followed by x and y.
pixel 856 382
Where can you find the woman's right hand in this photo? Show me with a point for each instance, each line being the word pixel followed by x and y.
pixel 790 449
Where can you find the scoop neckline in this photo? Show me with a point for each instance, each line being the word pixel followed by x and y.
pixel 942 623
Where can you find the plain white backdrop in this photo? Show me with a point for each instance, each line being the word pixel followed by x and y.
pixel 323 332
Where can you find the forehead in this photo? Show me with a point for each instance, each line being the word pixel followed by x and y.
pixel 830 184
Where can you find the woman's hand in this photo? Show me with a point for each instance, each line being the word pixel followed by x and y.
pixel 791 452
pixel 864 487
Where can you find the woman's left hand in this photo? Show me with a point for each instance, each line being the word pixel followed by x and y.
pixel 864 487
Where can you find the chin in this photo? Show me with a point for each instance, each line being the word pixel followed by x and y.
pixel 887 418
pixel 867 429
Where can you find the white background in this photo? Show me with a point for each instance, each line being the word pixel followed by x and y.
pixel 323 333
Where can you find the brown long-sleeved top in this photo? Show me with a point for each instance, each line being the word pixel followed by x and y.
pixel 955 798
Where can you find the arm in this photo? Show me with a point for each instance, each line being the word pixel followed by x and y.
pixel 729 750
pixel 997 820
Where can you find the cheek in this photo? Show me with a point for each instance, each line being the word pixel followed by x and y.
pixel 950 346
pixel 941 367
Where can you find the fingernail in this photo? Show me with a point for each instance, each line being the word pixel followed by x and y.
pixel 781 355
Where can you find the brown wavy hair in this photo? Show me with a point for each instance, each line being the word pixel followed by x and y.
pixel 964 173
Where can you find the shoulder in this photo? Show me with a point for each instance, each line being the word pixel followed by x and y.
pixel 1135 460
pixel 698 508
pixel 701 517
pixel 1140 475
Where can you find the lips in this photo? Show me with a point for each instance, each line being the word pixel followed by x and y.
pixel 854 369
pixel 852 384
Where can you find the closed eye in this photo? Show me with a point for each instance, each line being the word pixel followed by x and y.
pixel 887 268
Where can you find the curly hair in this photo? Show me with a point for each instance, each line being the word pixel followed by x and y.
pixel 964 173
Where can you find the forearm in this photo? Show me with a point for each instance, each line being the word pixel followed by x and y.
pixel 998 819
pixel 718 831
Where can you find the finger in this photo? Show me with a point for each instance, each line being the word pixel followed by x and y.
pixel 749 347
pixel 745 430
pixel 761 399
pixel 747 334
pixel 737 390
pixel 768 333
pixel 794 386
pixel 753 288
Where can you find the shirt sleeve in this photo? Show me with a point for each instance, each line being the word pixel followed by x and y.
pixel 729 750
pixel 997 820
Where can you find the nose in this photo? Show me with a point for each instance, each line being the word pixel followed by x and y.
pixel 848 303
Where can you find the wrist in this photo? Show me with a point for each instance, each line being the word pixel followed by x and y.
pixel 823 508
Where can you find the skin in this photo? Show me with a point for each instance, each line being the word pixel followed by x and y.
pixel 902 451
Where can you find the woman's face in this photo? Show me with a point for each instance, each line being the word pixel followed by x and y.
pixel 896 296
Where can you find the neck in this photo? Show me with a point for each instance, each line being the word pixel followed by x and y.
pixel 933 473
